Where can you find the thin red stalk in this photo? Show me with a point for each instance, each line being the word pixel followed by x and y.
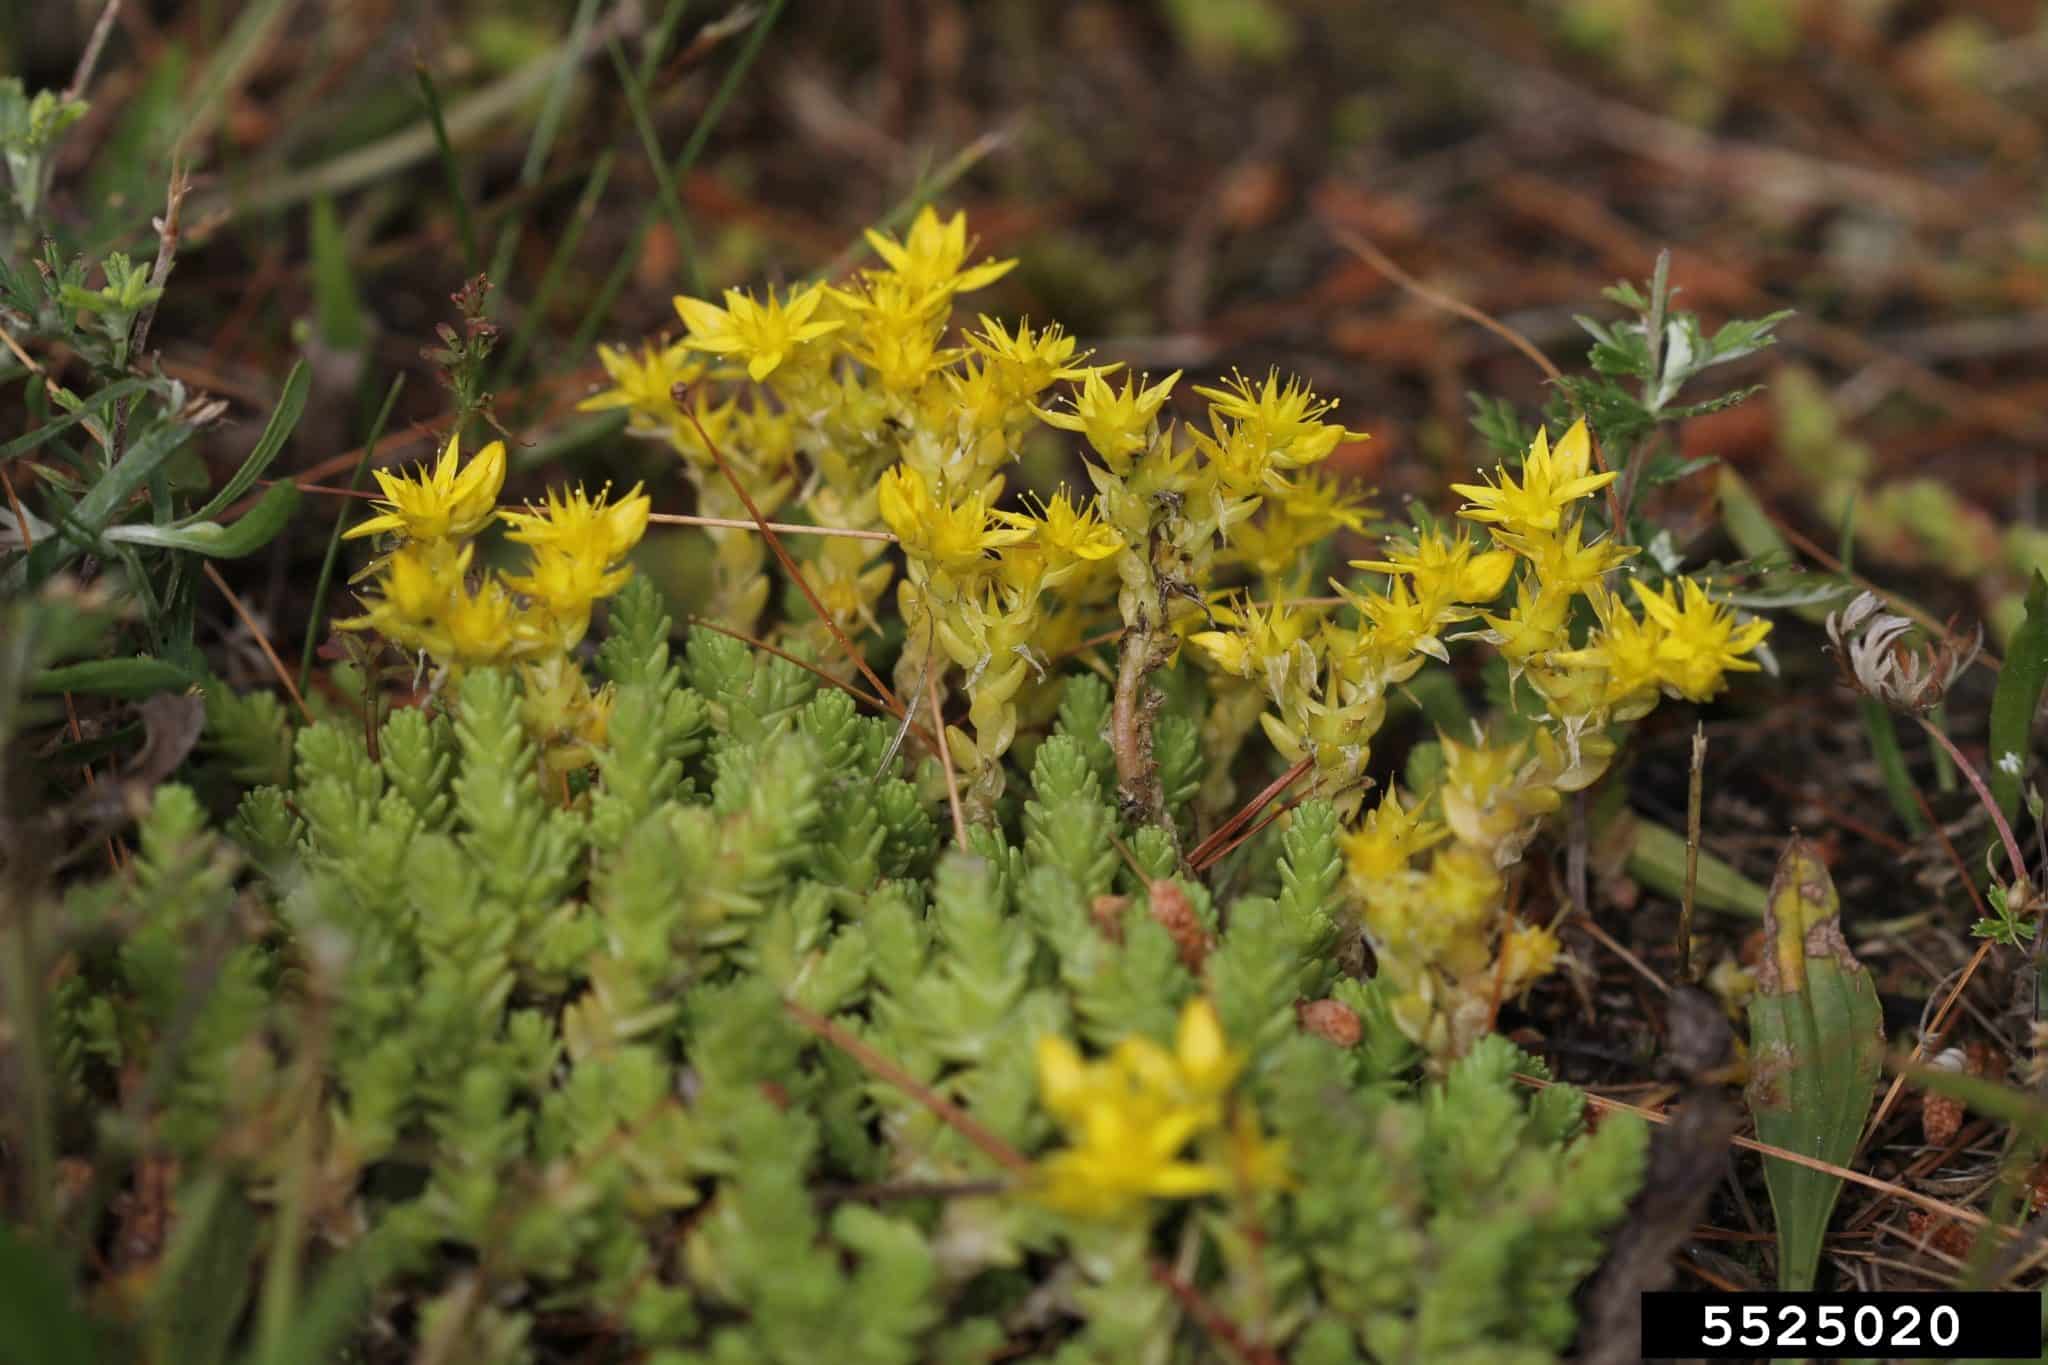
pixel 2012 845
pixel 876 1064
pixel 680 397
pixel 1251 808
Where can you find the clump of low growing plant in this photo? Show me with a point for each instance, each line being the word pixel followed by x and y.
pixel 738 1004
pixel 858 409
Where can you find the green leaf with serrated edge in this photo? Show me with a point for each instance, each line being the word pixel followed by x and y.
pixel 137 677
pixel 2018 695
pixel 251 532
pixel 1816 1039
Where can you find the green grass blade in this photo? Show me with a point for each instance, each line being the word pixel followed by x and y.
pixel 233 59
pixel 39 1323
pixel 1816 1047
pixel 337 305
pixel 664 180
pixel 355 483
pixel 2017 697
pixel 1883 733
pixel 727 88
pixel 464 224
pixel 601 304
pixel 558 263
pixel 549 121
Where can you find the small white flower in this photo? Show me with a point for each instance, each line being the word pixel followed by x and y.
pixel 2009 762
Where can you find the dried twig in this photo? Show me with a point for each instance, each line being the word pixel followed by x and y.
pixel 1855 1177
pixel 931 692
pixel 876 1064
pixel 89 60
pixel 262 640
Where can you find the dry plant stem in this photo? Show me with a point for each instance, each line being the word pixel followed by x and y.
pixel 1358 246
pixel 168 234
pixel 680 397
pixel 50 386
pixel 1212 848
pixel 1575 860
pixel 1220 1328
pixel 89 60
pixel 931 692
pixel 1937 1031
pixel 168 231
pixel 812 669
pixel 1892 601
pixel 785 528
pixel 1928 1202
pixel 882 1067
pixel 262 641
pixel 1612 945
pixel 1238 841
pixel 1130 727
pixel 1693 800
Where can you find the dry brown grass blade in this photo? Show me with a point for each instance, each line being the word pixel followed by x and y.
pixel 1380 261
pixel 262 640
pixel 1927 1202
pixel 1238 841
pixel 1385 264
pixel 1206 851
pixel 680 397
pixel 862 697
pixel 1606 940
pixel 931 692
pixel 785 528
pixel 876 1064
pixel 1211 1320
pixel 992 1145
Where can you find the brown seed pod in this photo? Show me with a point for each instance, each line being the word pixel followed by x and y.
pixel 1330 1020
pixel 1176 914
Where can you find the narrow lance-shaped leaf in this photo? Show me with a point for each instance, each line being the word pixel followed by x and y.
pixel 284 419
pixel 252 531
pixel 1816 1037
pixel 1656 858
pixel 139 676
pixel 2018 695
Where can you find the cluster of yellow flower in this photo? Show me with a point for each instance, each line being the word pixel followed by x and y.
pixel 429 600
pixel 1131 1118
pixel 915 434
pixel 861 405
pixel 1441 931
